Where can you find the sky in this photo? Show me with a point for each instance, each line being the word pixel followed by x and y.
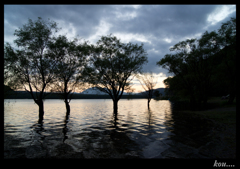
pixel 158 27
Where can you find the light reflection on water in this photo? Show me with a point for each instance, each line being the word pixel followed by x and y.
pixel 91 126
pixel 89 119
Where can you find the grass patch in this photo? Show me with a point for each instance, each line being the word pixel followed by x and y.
pixel 212 103
pixel 224 117
pixel 218 102
pixel 219 111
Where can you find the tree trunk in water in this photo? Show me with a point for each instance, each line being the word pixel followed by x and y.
pixel 148 103
pixel 67 107
pixel 41 110
pixel 115 106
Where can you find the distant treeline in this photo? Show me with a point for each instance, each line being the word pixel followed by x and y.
pixel 26 95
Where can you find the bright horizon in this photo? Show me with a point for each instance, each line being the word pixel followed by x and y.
pixel 136 85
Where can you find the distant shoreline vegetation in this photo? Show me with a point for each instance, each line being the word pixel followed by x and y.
pixel 87 94
pixel 26 95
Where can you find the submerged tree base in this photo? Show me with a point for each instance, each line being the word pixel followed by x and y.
pixel 115 107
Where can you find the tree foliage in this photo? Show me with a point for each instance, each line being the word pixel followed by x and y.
pixel 113 65
pixel 29 67
pixel 148 83
pixel 71 60
pixel 43 62
pixel 197 65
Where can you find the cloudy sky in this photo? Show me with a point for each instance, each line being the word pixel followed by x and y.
pixel 157 26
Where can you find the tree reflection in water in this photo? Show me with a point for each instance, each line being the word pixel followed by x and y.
pixel 93 130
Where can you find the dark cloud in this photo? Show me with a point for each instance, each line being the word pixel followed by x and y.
pixel 158 26
pixel 84 18
pixel 164 20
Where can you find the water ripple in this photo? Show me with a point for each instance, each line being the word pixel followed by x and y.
pixel 92 128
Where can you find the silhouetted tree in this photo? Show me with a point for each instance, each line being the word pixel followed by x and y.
pixel 227 36
pixel 70 65
pixel 157 93
pixel 148 83
pixel 112 64
pixel 198 65
pixel 191 65
pixel 7 91
pixel 29 67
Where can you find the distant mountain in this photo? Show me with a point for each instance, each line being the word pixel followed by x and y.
pixel 91 93
pixel 161 90
pixel 94 90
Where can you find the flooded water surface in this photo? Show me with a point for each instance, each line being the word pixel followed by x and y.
pixel 92 130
